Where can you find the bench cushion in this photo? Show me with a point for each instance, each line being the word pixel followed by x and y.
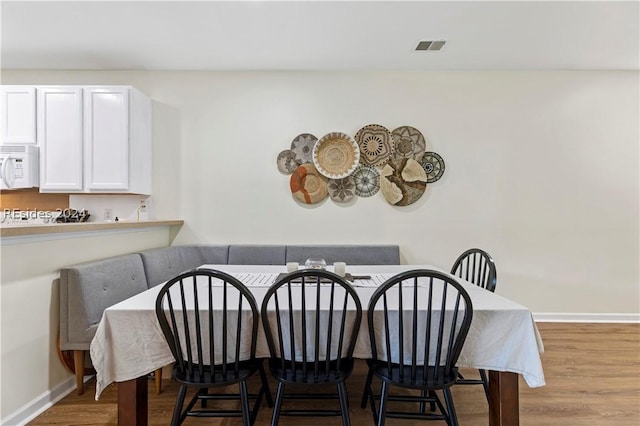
pixel 164 263
pixel 351 254
pixel 87 289
pixel 216 255
pixel 241 254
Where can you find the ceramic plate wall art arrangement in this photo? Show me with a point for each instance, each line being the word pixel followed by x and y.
pixel 409 143
pixel 307 185
pixel 433 165
pixel 302 146
pixel 367 180
pixel 342 190
pixel 374 160
pixel 287 162
pixel 336 155
pixel 403 181
pixel 376 145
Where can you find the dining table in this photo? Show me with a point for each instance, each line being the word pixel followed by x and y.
pixel 503 339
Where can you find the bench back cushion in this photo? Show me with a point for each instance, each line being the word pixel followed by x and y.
pixel 351 254
pixel 87 289
pixel 241 254
pixel 164 263
pixel 216 255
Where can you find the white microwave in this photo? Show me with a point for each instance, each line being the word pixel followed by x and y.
pixel 19 167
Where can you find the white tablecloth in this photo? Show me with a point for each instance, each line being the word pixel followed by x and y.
pixel 503 336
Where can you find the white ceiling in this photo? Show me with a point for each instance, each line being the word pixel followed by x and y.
pixel 319 35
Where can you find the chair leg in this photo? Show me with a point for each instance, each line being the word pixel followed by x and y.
pixel 485 383
pixel 78 365
pixel 382 412
pixel 367 389
pixel 203 401
pixel 344 404
pixel 432 405
pixel 277 404
pixel 265 385
pixel 244 402
pixel 158 376
pixel 372 403
pixel 423 394
pixel 452 418
pixel 177 410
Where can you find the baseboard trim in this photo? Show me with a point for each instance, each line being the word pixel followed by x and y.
pixel 586 317
pixel 41 403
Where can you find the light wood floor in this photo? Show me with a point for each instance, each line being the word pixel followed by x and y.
pixel 592 373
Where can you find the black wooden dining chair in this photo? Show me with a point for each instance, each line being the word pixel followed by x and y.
pixel 210 322
pixel 476 266
pixel 418 321
pixel 311 320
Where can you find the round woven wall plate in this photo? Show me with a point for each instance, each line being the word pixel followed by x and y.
pixel 376 144
pixel 403 181
pixel 307 185
pixel 302 146
pixel 367 180
pixel 287 162
pixel 433 166
pixel 342 190
pixel 336 155
pixel 409 143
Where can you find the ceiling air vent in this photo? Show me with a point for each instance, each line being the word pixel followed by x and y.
pixel 430 45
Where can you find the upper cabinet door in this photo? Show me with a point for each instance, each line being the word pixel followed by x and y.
pixel 106 134
pixel 18 105
pixel 60 127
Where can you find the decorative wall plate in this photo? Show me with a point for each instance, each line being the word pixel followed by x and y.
pixel 409 143
pixel 376 144
pixel 336 155
pixel 302 145
pixel 433 165
pixel 403 181
pixel 287 162
pixel 342 190
pixel 367 180
pixel 307 185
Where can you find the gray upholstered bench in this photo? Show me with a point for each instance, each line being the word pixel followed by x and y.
pixel 87 289
pixel 164 263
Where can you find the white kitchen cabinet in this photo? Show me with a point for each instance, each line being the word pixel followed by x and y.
pixel 18 121
pixel 60 139
pixel 115 140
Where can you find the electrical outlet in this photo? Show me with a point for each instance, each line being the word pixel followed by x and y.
pixel 108 214
pixel 142 211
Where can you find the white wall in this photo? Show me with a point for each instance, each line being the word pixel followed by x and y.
pixel 30 306
pixel 542 170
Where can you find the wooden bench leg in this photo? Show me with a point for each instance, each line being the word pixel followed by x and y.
pixel 78 366
pixel 158 375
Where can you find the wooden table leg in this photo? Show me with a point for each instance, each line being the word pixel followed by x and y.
pixel 132 402
pixel 504 404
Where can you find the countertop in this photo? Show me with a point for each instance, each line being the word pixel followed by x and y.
pixel 59 228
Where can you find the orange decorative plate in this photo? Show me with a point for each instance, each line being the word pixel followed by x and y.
pixel 307 185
